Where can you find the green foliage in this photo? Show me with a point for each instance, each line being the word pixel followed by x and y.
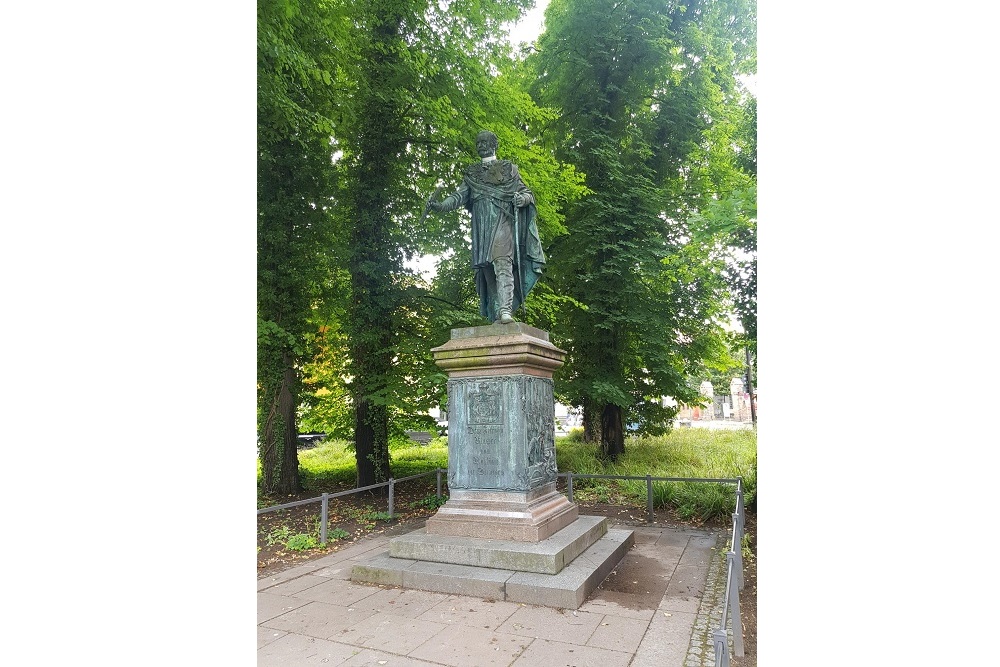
pixel 685 453
pixel 648 106
pixel 745 547
pixel 278 535
pixel 623 123
pixel 337 534
pixel 730 224
pixel 426 72
pixel 301 542
pixel 431 502
pixel 295 69
pixel 369 516
pixel 331 464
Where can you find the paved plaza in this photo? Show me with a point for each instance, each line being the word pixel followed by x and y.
pixel 657 608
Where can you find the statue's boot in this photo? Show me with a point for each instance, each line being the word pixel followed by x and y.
pixel 505 289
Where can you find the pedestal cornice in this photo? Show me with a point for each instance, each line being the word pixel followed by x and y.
pixel 499 349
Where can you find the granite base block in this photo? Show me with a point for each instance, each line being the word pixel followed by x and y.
pixel 521 517
pixel 568 589
pixel 547 556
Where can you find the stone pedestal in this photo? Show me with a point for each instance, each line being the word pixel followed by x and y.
pixel 505 532
pixel 501 435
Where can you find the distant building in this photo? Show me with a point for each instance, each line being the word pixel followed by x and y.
pixel 731 407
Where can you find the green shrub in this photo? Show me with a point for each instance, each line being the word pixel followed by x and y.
pixel 301 542
pixel 279 534
pixel 337 534
pixel 431 502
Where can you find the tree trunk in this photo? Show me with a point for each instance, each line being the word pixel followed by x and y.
pixel 591 423
pixel 374 260
pixel 279 453
pixel 370 442
pixel 612 432
pixel 288 482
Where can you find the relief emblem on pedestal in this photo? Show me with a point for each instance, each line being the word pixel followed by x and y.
pixel 540 434
pixel 484 404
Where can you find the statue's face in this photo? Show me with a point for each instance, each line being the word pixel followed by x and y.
pixel 486 144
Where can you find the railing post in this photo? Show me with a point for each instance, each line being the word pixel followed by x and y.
pixel 740 509
pixel 324 518
pixel 734 604
pixel 392 483
pixel 738 546
pixel 721 648
pixel 738 527
pixel 439 483
pixel 569 486
pixel 649 497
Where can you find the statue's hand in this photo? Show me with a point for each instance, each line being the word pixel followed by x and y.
pixel 519 200
pixel 435 206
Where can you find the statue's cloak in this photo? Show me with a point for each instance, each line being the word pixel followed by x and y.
pixel 492 186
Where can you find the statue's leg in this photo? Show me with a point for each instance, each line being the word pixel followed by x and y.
pixel 503 267
pixel 490 280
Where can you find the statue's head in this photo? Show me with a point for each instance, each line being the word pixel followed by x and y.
pixel 486 143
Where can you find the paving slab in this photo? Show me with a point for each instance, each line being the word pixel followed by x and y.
pixel 618 634
pixel 666 641
pixel 686 587
pixel 286 575
pixel 267 635
pixel 339 570
pixel 390 633
pixel 463 646
pixel 401 602
pixel 487 613
pixel 603 602
pixel 270 605
pixel 563 625
pixel 297 585
pixel 296 650
pixel 371 658
pixel 318 619
pixel 548 653
pixel 335 591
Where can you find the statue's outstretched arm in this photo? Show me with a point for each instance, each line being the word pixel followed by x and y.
pixel 452 201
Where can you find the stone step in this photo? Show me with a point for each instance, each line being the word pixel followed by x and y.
pixel 568 589
pixel 547 556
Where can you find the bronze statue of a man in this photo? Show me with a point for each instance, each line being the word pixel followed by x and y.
pixel 507 257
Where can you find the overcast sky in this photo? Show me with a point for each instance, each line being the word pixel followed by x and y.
pixel 530 26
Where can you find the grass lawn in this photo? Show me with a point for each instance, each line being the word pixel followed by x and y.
pixel 684 452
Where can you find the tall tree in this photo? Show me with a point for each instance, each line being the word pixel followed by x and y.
pixel 421 88
pixel 294 65
pixel 642 90
pixel 729 224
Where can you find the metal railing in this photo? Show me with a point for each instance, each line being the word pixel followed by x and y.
pixel 734 557
pixel 734 584
pixel 325 499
